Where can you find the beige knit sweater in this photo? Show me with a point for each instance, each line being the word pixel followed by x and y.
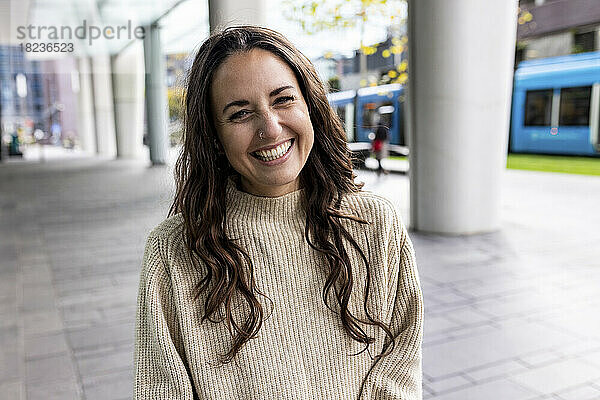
pixel 302 351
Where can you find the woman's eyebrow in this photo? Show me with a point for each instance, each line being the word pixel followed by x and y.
pixel 279 90
pixel 236 103
pixel 241 103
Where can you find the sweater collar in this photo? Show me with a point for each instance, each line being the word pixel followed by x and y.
pixel 242 204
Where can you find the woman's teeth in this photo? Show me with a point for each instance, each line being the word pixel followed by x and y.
pixel 273 154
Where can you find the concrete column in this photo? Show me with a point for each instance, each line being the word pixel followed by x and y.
pixel 1 130
pixel 461 67
pixel 224 13
pixel 103 106
pixel 156 96
pixel 86 129
pixel 128 91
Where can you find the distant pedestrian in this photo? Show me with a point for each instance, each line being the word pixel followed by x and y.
pixel 56 132
pixel 380 147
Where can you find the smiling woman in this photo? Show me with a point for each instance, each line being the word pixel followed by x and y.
pixel 256 91
pixel 272 256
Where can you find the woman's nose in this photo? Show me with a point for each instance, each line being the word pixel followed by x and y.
pixel 270 125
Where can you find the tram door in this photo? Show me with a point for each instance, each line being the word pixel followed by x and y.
pixel 595 117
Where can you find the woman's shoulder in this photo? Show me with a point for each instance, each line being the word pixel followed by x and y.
pixel 168 228
pixel 370 201
pixel 372 207
pixel 165 239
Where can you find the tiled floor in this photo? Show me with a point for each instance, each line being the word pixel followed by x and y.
pixel 509 315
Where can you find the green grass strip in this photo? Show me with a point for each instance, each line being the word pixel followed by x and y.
pixel 547 163
pixel 565 164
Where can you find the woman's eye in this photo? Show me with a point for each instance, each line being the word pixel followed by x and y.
pixel 284 99
pixel 238 115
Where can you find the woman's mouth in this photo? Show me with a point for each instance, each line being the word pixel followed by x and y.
pixel 277 153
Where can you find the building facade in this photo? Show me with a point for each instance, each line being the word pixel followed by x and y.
pixel 381 65
pixel 21 109
pixel 549 28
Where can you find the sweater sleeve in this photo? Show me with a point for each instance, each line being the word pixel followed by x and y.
pixel 160 372
pixel 398 376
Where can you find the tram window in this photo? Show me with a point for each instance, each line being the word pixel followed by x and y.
pixel 374 112
pixel 575 106
pixel 341 112
pixel 369 115
pixel 402 111
pixel 538 107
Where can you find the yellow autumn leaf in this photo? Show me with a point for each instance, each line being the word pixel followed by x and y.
pixel 368 50
pixel 392 74
pixel 397 49
pixel 386 53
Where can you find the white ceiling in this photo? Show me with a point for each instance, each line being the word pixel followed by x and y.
pixel 184 23
pixel 183 28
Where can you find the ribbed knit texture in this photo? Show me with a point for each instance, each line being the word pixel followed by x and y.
pixel 302 350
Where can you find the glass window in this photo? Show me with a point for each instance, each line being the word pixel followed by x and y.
pixel 584 41
pixel 368 115
pixel 341 112
pixel 381 112
pixel 575 106
pixel 538 107
pixel 402 120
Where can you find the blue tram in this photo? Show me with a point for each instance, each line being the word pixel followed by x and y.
pixel 361 111
pixel 556 107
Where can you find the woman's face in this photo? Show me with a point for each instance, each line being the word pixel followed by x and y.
pixel 255 92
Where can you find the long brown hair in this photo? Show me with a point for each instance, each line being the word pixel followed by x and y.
pixel 200 195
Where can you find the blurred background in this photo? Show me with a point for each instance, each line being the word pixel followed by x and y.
pixel 492 114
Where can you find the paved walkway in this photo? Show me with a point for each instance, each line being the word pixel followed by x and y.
pixel 509 315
